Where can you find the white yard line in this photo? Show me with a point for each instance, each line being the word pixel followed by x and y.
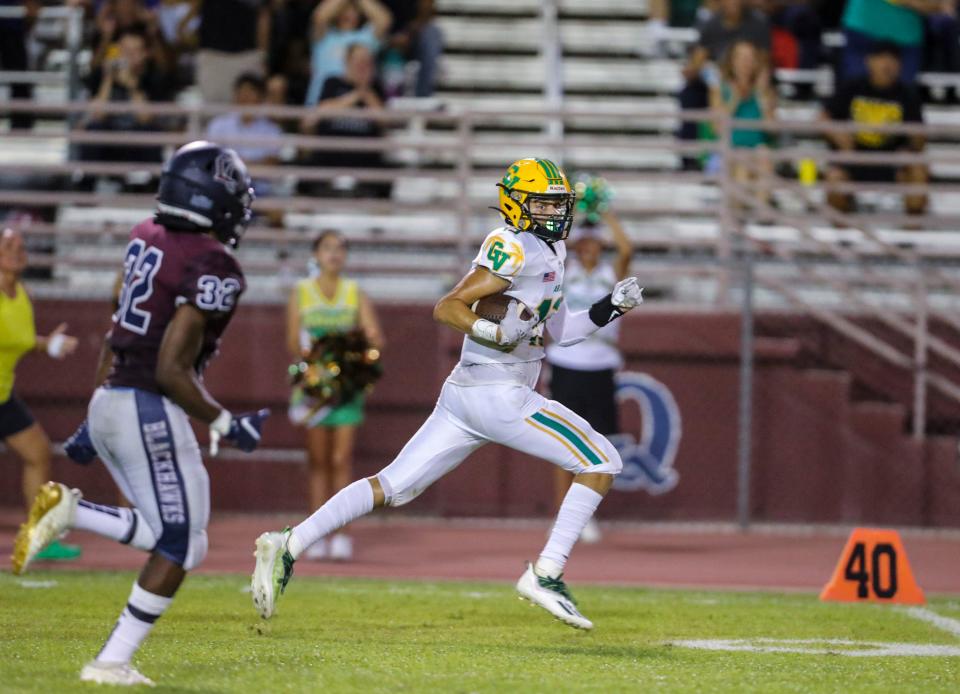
pixel 841 647
pixel 30 583
pixel 947 624
pixel 844 647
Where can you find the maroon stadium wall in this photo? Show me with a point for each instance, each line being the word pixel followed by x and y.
pixel 818 454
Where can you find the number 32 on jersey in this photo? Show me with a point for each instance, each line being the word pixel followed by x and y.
pixel 216 294
pixel 140 265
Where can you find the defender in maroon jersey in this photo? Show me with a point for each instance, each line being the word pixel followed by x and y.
pixel 165 268
pixel 181 285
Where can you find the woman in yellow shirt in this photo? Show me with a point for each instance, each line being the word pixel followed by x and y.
pixel 18 336
pixel 319 306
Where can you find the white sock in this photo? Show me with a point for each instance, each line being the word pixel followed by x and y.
pixel 348 504
pixel 135 623
pixel 121 524
pixel 577 508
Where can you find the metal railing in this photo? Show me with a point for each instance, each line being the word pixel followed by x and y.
pixel 901 282
pixel 912 324
pixel 72 19
pixel 451 148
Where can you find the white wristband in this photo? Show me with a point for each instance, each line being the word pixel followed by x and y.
pixel 485 330
pixel 55 345
pixel 221 424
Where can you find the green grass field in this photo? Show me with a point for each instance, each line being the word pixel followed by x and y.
pixel 364 635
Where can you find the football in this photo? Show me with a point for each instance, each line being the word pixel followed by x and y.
pixel 494 307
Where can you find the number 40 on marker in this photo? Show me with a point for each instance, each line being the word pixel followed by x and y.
pixel 873 568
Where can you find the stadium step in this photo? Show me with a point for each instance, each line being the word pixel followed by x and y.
pixel 865 442
pixel 879 421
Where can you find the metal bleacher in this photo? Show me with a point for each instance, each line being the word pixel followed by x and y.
pixel 701 239
pixel 618 119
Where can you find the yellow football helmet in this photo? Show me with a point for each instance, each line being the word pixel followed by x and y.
pixel 528 180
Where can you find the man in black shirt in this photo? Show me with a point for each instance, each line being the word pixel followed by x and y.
pixel 357 89
pixel 234 35
pixel 13 54
pixel 130 77
pixel 878 99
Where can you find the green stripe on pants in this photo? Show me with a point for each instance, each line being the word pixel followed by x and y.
pixel 569 436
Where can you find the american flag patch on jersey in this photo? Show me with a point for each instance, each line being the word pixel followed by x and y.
pixel 549 276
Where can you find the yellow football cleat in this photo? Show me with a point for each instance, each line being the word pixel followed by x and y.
pixel 51 515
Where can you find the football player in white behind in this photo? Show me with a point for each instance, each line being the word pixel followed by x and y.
pixel 490 397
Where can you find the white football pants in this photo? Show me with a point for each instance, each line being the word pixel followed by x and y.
pixel 467 417
pixel 146 443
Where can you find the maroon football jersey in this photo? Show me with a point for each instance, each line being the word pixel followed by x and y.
pixel 162 270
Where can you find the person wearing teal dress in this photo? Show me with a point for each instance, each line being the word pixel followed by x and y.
pixel 743 91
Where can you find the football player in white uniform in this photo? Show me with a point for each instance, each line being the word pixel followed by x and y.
pixel 490 396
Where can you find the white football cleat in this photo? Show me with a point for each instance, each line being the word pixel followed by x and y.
pixel 552 595
pixel 272 572
pixel 51 515
pixel 122 674
pixel 341 547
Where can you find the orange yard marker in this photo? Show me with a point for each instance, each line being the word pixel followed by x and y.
pixel 873 568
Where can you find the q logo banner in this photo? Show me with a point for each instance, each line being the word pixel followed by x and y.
pixel 647 454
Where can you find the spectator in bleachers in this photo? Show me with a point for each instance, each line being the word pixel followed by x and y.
pixel 338 24
pixel 943 41
pixel 745 93
pixel 674 13
pixel 13 54
pixel 867 23
pixel 233 39
pixel 797 35
pixel 359 89
pixel 678 13
pixel 178 27
pixel 277 90
pixel 290 46
pixel 249 90
pixel 415 35
pixel 733 21
pixel 129 77
pixel 830 13
pixel 116 17
pixel 880 98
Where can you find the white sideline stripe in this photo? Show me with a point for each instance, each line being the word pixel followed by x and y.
pixel 844 647
pixel 947 624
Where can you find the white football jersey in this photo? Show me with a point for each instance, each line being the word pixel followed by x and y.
pixel 581 289
pixel 535 271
